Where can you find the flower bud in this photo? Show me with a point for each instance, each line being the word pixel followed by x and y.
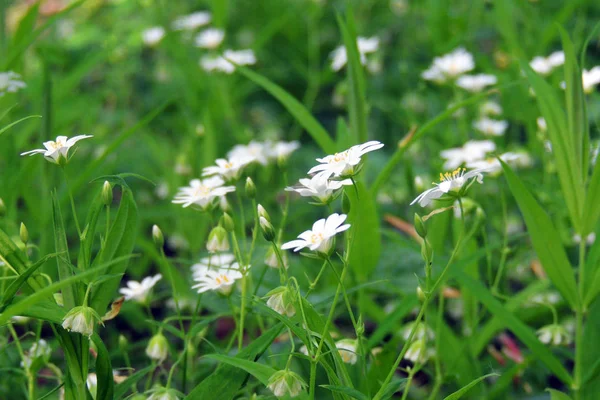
pixel 420 226
pixel 263 213
pixel 286 382
pixel 426 251
pixel 162 393
pixel 281 300
pixel 81 319
pixel 123 343
pixel 107 194
pixel 360 326
pixel 2 208
pixel 157 236
pixel 24 233
pixel 420 294
pixel 250 188
pixel 227 222
pixel 217 240
pixel 158 347
pixel 267 229
pixel 417 351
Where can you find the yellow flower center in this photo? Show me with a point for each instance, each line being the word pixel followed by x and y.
pixel 220 279
pixel 337 157
pixel 316 238
pixel 57 145
pixel 448 176
pixel 202 191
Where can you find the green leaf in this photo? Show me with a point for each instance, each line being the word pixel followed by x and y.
pixel 227 379
pixel 51 392
pixel 563 149
pixel 556 395
pixel 302 115
pixel 104 372
pixel 544 237
pixel 122 388
pixel 522 331
pixel 576 104
pixel 592 202
pixel 392 388
pixel 45 310
pixel 261 372
pixel 392 320
pixel 460 392
pixel 7 127
pixel 10 292
pixel 119 245
pixel 365 232
pixel 70 293
pixel 590 386
pixel 355 394
pixel 357 108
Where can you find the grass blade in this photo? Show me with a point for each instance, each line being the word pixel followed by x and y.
pixel 462 391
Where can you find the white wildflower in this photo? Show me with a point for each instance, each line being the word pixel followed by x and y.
pixel 476 83
pixel 320 237
pixel 471 151
pixel 449 66
pixel 57 152
pixel 227 169
pixel 221 280
pixel 320 188
pixel 202 192
pixel 10 82
pixel 554 334
pixel 153 36
pixel 339 58
pixel 347 350
pixel 192 21
pixel 210 38
pixel 490 127
pixel 452 183
pixel 140 291
pixel 344 164
pixel 491 108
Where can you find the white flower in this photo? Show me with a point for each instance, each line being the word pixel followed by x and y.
pixel 493 166
pixel 227 62
pixel 202 192
pixel 10 82
pixel 417 352
pixel 210 38
pixel 347 350
pixel 253 151
pixel 550 297
pixel 449 66
pixel 545 65
pixel 449 183
pixel 319 187
pixel 346 163
pixel 339 58
pixel 140 291
pixel 37 356
pixel 158 347
pixel 282 150
pixel 422 331
pixel 227 169
pixel 286 382
pixel 217 262
pixel 191 21
pixel 590 79
pixel 541 123
pixel 320 238
pixel 153 36
pixel 57 152
pixel 476 83
pixel 554 334
pixel 162 393
pixel 471 151
pixel 490 127
pixel 221 280
pixel 81 319
pixel 589 239
pixel 490 108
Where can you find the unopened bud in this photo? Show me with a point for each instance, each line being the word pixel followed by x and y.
pixel 217 240
pixel 263 213
pixel 420 226
pixel 123 343
pixel 420 294
pixel 282 301
pixel 426 251
pixel 107 194
pixel 250 188
pixel 157 236
pixel 24 233
pixel 158 347
pixel 360 327
pixel 2 208
pixel 286 382
pixel 267 229
pixel 227 222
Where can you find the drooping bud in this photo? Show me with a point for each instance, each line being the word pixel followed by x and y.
pixel 281 300
pixel 554 334
pixel 81 319
pixel 217 240
pixel 107 194
pixel 420 226
pixel 24 233
pixel 157 237
pixel 227 222
pixel 267 229
pixel 158 347
pixel 250 188
pixel 2 208
pixel 286 382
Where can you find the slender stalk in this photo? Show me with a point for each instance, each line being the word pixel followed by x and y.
pixel 409 379
pixel 72 201
pixel 438 334
pixel 579 323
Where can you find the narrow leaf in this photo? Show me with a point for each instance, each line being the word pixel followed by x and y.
pixel 10 292
pixel 462 391
pixel 261 372
pixel 544 237
pixel 556 395
pixel 355 394
pixel 63 262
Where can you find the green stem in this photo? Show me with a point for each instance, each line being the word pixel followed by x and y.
pixel 242 313
pixel 579 322
pixel 72 201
